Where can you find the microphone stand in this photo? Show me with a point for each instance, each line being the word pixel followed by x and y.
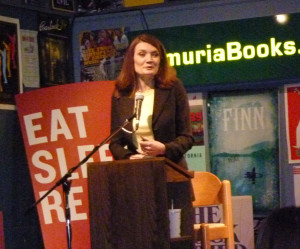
pixel 66 183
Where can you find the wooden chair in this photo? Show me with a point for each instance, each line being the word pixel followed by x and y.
pixel 209 190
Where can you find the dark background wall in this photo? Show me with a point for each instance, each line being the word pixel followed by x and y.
pixel 16 195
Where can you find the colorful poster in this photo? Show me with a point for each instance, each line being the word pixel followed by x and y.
pixel 60 127
pixel 292 117
pixel 10 60
pixel 101 53
pixel 243 144
pixel 196 155
pixel 30 58
pixel 196 109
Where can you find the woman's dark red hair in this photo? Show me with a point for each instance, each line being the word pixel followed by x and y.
pixel 127 80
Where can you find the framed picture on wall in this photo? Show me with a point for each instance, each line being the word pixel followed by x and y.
pixel 53 60
pixel 54 50
pixel 10 61
pixel 65 5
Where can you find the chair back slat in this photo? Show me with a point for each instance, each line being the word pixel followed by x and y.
pixel 206 188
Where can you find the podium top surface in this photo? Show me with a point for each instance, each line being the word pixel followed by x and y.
pixel 174 172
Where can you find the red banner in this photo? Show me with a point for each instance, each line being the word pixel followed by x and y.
pixel 292 117
pixel 60 126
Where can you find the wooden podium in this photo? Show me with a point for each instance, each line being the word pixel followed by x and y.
pixel 129 202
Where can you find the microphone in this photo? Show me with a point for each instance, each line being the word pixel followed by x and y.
pixel 139 97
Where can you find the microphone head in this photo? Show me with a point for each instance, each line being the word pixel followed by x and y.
pixel 139 96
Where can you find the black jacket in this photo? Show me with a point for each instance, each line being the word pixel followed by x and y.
pixel 170 123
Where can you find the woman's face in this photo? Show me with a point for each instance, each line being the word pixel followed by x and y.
pixel 146 60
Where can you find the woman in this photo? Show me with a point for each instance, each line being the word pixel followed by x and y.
pixel 164 126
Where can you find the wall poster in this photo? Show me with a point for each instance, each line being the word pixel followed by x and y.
pixel 53 56
pixel 30 59
pixel 54 50
pixel 101 53
pixel 10 62
pixel 292 117
pixel 243 144
pixel 195 157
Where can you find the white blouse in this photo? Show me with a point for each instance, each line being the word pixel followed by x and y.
pixel 145 124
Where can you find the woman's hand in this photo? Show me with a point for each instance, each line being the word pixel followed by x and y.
pixel 137 156
pixel 152 147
